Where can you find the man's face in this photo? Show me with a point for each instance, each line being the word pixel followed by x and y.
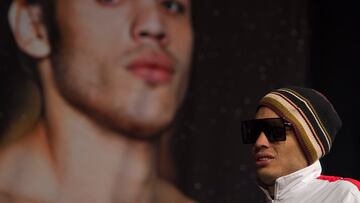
pixel 124 62
pixel 276 159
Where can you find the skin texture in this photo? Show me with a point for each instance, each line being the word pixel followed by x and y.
pixel 285 157
pixel 105 92
pixel 101 39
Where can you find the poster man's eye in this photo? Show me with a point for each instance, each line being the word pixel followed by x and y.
pixel 174 6
pixel 108 2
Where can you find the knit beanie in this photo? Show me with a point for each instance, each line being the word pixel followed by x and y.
pixel 313 117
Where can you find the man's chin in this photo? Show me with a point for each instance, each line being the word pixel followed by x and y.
pixel 141 129
pixel 265 177
pixel 146 133
pixel 130 122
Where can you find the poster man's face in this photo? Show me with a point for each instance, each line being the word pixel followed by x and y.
pixel 125 62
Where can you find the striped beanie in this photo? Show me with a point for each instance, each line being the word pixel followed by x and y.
pixel 314 119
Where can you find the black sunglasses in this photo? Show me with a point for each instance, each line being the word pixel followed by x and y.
pixel 274 129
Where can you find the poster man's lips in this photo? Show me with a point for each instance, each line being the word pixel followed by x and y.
pixel 155 69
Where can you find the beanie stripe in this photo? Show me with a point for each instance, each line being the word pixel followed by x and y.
pixel 288 110
pixel 308 109
pixel 315 121
pixel 305 126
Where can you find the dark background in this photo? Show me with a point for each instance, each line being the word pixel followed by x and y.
pixel 244 49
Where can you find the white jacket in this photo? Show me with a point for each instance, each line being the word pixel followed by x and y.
pixel 305 186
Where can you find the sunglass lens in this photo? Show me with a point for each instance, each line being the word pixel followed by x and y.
pixel 274 129
pixel 250 131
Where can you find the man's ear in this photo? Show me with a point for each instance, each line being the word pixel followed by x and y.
pixel 28 29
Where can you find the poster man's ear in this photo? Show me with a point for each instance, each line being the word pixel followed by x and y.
pixel 28 29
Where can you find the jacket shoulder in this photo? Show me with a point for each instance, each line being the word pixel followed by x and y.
pixel 340 180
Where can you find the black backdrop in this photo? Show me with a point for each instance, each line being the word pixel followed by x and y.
pixel 334 70
pixel 243 49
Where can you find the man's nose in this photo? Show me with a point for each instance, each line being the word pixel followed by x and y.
pixel 262 140
pixel 149 25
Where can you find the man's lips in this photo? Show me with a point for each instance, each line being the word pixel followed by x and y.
pixel 153 68
pixel 263 159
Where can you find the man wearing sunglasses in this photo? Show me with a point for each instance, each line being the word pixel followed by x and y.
pixel 294 127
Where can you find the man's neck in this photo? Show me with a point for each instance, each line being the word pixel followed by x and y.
pixel 268 187
pixel 92 159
